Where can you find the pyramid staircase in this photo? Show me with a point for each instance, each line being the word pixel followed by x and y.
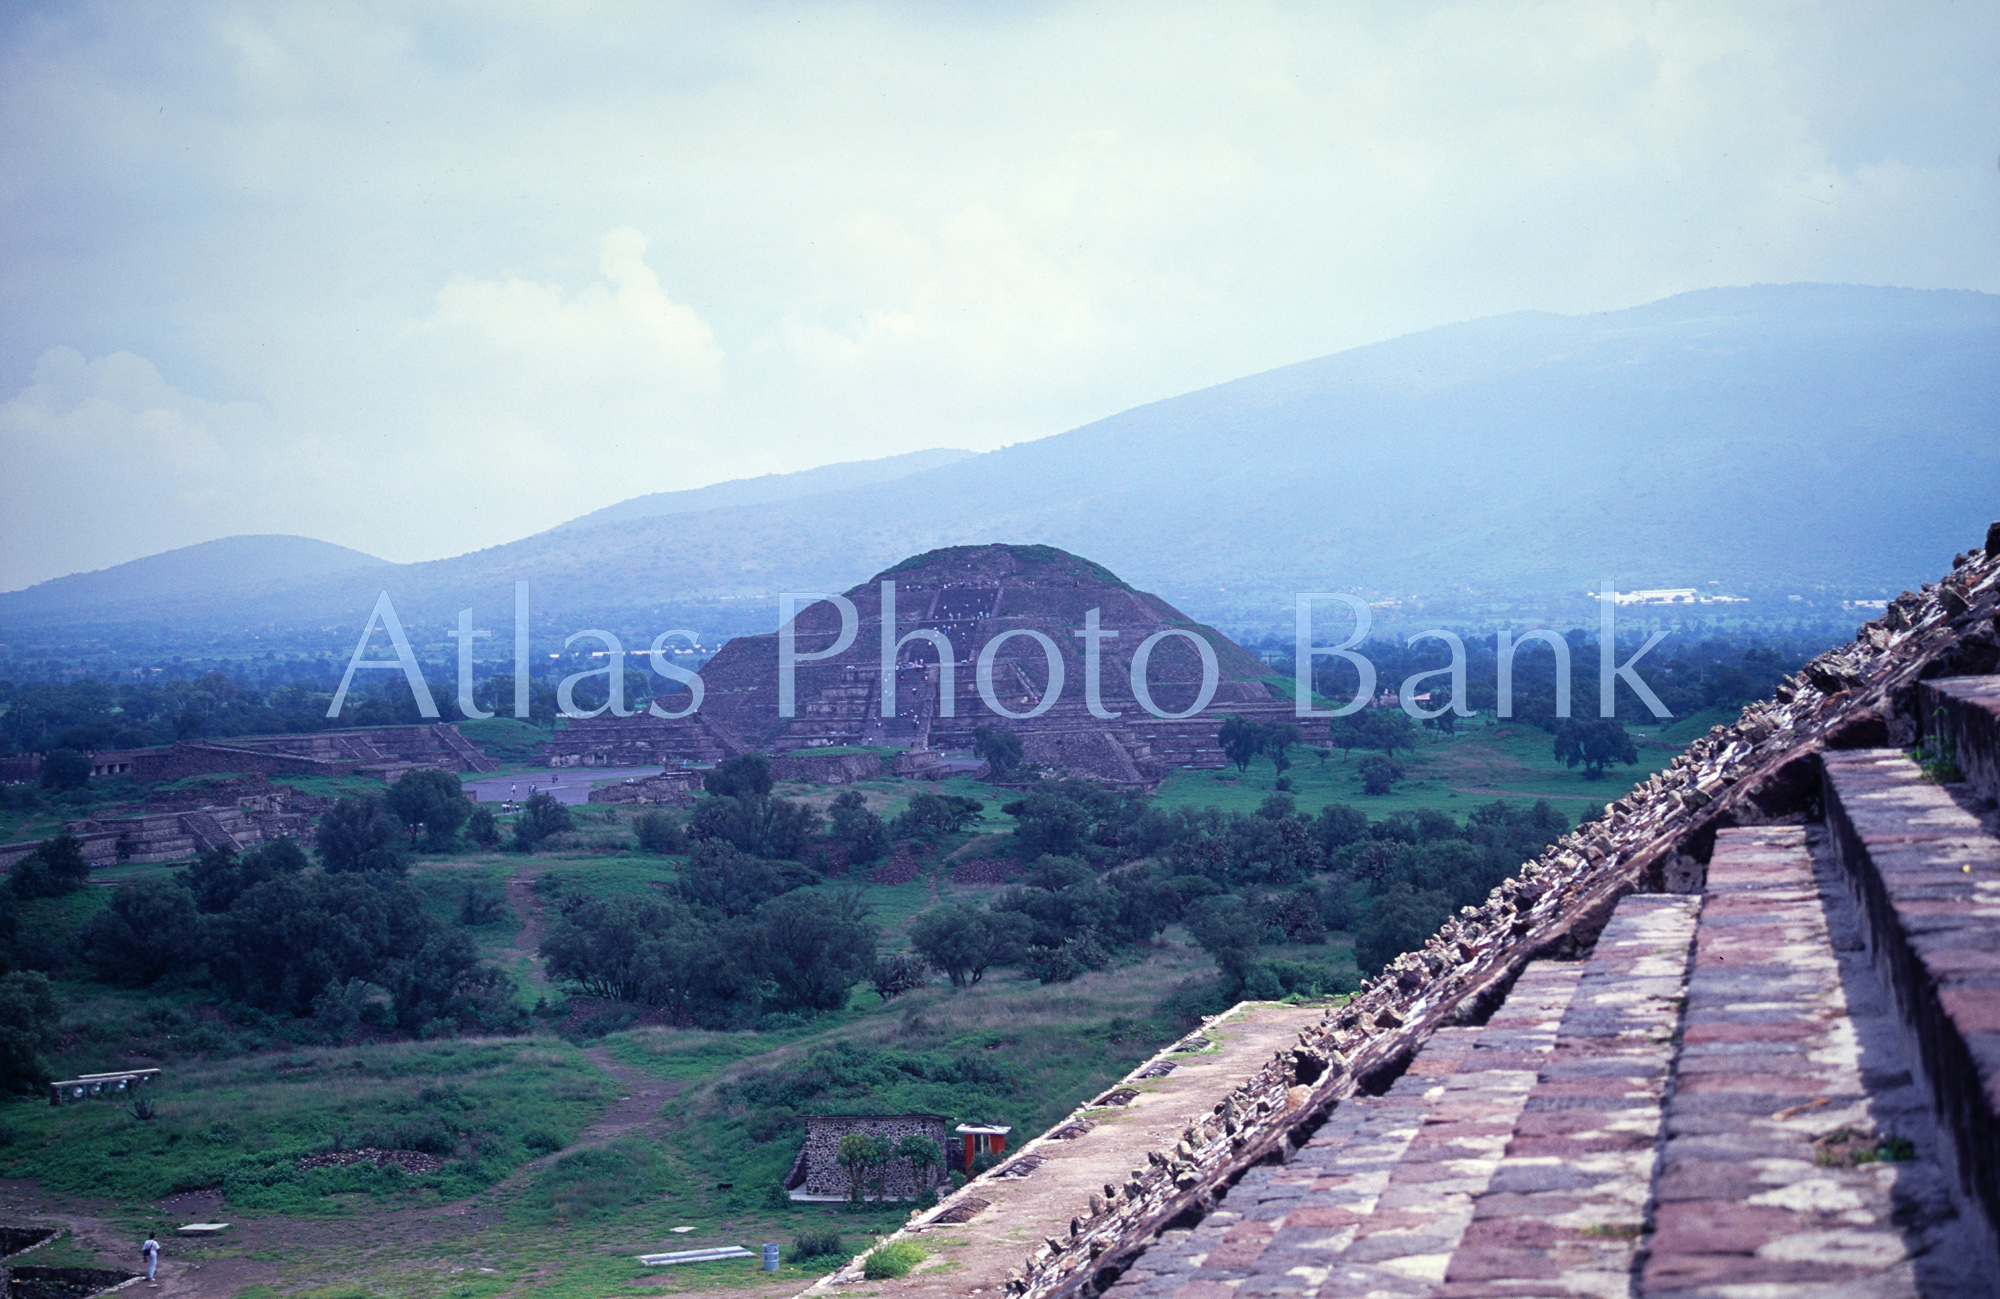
pixel 1787 1084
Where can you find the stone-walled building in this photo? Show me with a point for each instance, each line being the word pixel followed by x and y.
pixel 817 1173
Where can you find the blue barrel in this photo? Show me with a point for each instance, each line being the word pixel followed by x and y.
pixel 770 1258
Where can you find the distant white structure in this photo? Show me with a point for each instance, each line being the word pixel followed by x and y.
pixel 1673 595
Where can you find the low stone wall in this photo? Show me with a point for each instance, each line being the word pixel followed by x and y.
pixel 668 789
pixel 827 769
pixel 919 764
pixel 99 849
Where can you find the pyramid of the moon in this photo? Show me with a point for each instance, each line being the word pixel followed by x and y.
pixel 979 635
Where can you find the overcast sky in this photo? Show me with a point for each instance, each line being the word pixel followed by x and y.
pixel 422 279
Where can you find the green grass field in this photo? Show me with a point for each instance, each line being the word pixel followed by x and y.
pixel 565 1157
pixel 1483 761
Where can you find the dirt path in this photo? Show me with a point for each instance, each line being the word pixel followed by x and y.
pixel 527 904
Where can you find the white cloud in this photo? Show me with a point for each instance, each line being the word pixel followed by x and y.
pixel 843 231
pixel 107 461
pixel 625 326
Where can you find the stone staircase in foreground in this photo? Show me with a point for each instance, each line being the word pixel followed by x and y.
pixel 1785 1085
pixel 1737 1037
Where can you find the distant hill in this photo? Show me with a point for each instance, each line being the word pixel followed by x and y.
pixel 200 575
pixel 1798 437
pixel 770 487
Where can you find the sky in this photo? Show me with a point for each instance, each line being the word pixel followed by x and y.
pixel 423 278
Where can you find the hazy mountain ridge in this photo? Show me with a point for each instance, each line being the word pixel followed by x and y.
pixel 768 488
pixel 224 569
pixel 1802 434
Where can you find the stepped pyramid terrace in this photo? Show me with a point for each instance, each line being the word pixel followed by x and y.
pixel 1737 1036
pixel 966 596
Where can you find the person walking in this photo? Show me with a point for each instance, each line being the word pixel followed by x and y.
pixel 150 1251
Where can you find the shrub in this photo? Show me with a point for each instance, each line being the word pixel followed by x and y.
pixel 541 817
pixel 745 775
pixel 659 833
pixel 1378 775
pixel 482 903
pixel 892 1260
pixel 818 1244
pixel 482 828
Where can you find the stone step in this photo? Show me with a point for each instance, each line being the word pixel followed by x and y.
pixel 1789 1088
pixel 1564 1212
pixel 1963 714
pixel 1925 875
pixel 1380 1178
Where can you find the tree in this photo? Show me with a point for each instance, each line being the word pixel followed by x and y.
pixel 1378 775
pixel 1347 734
pixel 360 834
pixel 814 948
pixel 1278 739
pixel 1229 932
pixel 724 879
pixel 931 816
pixel 859 1153
pixel 1000 750
pixel 1241 740
pixel 483 828
pixel 857 829
pixel 65 769
pixel 1595 743
pixel 657 951
pixel 1049 823
pixel 53 869
pixel 541 816
pixel 755 823
pixel 1388 729
pixel 963 941
pixel 744 774
pixel 287 940
pixel 1402 919
pixel 1339 825
pixel 219 876
pixel 923 1153
pixel 427 981
pixel 433 802
pixel 151 929
pixel 28 1013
